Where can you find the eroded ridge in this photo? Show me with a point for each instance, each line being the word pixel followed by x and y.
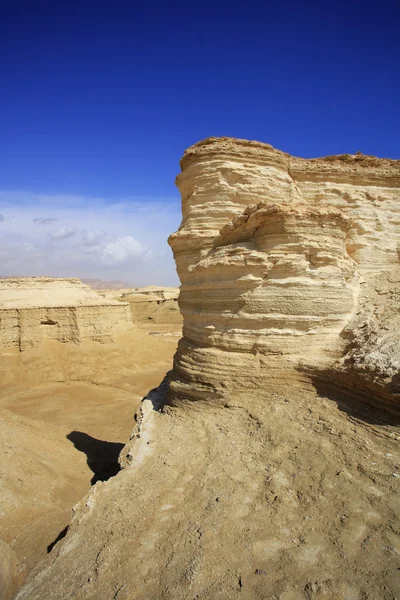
pixel 276 257
pixel 35 308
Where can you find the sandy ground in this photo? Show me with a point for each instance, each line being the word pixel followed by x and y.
pixel 66 412
pixel 287 495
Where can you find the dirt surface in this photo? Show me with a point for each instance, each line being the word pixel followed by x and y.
pixel 285 495
pixel 65 414
pixel 290 493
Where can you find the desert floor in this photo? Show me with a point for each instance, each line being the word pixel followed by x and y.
pixel 66 412
pixel 286 494
pixel 290 493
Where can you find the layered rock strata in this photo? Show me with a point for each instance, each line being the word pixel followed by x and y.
pixel 35 308
pixel 275 255
pixel 154 303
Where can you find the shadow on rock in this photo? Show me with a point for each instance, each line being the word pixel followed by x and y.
pixel 358 398
pixel 158 395
pixel 102 457
pixel 60 536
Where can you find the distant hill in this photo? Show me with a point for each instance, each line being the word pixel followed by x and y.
pixel 115 284
pixel 95 284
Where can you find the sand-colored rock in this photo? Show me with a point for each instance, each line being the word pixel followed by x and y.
pixel 370 365
pixel 279 494
pixel 11 575
pixel 154 303
pixel 274 253
pixel 153 293
pixel 35 308
pixel 284 489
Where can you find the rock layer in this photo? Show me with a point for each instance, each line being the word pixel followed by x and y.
pixel 35 308
pixel 154 303
pixel 274 253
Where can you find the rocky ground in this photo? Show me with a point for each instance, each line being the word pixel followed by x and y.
pixel 287 494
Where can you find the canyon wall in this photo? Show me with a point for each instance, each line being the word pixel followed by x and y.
pixel 277 257
pixel 35 308
pixel 154 303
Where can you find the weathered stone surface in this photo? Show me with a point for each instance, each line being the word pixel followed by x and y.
pixel 154 303
pixel 11 575
pixel 274 253
pixel 271 496
pixel 35 308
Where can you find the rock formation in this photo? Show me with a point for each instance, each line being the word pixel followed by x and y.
pixel 10 574
pixel 276 256
pixel 290 281
pixel 100 284
pixel 154 303
pixel 35 308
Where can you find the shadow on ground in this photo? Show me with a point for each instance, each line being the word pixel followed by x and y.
pixel 102 457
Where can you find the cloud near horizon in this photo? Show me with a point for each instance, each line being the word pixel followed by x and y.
pixel 93 237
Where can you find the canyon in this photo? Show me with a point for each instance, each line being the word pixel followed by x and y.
pixel 265 464
pixel 66 410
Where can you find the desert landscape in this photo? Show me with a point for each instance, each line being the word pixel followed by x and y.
pixel 234 438
pixel 73 370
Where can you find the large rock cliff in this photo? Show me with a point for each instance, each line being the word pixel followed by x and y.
pixel 35 308
pixel 277 257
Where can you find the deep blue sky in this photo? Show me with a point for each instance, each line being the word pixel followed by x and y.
pixel 101 98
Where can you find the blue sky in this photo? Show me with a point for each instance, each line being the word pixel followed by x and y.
pixel 100 99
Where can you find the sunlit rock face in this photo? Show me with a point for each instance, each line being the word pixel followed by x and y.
pixel 273 253
pixel 33 309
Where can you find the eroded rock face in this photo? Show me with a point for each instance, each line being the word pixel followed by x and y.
pixel 11 575
pixel 35 308
pixel 154 304
pixel 275 254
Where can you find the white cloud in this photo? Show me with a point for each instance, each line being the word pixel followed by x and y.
pixel 63 232
pixel 92 237
pixel 44 220
pixel 2 218
pixel 97 238
pixel 122 249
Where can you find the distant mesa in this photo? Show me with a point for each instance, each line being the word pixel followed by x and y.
pixel 151 293
pixel 100 284
pixel 154 303
pixel 35 308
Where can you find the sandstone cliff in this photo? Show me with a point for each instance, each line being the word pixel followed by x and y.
pixel 277 255
pixel 35 308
